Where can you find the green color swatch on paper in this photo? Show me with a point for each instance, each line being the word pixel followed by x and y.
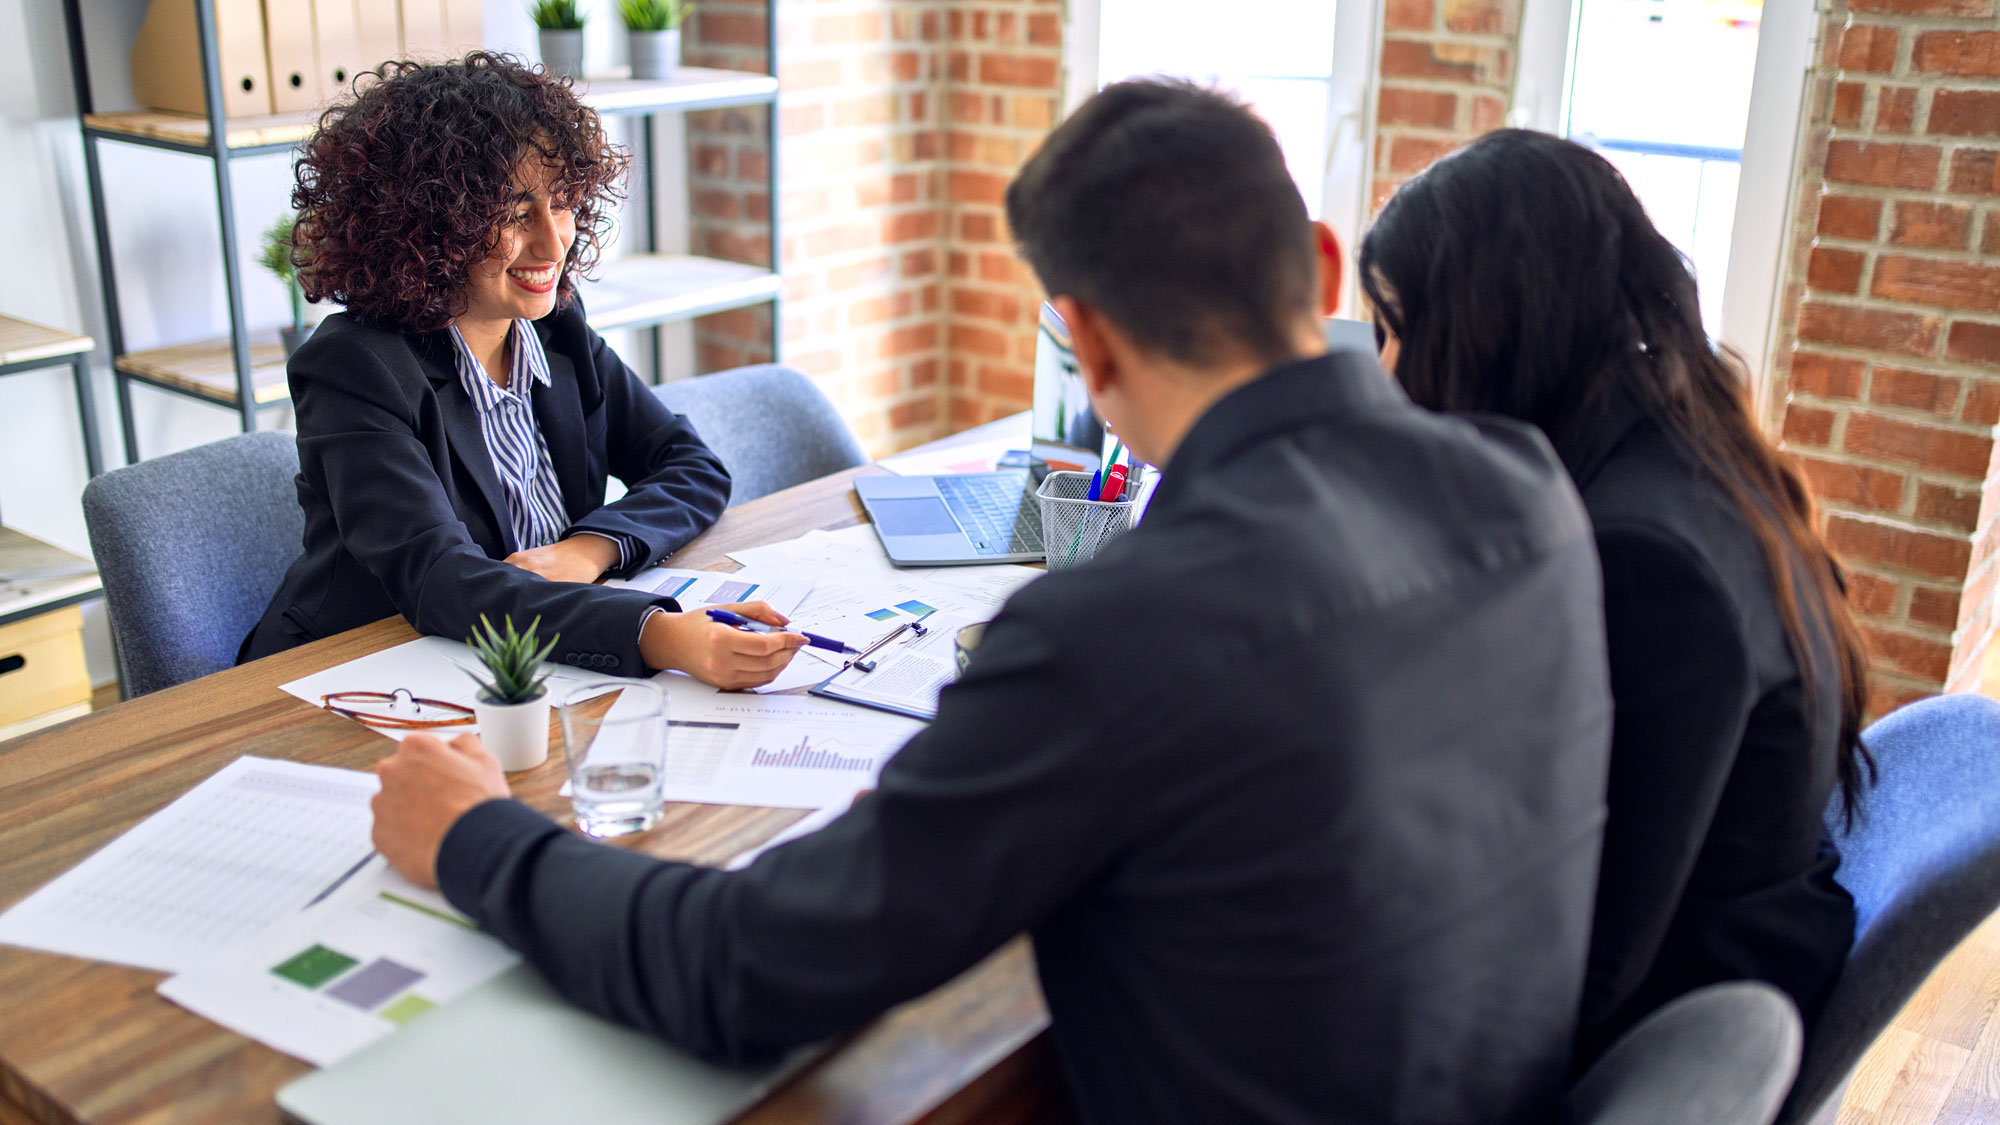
pixel 315 966
pixel 405 1008
pixel 882 614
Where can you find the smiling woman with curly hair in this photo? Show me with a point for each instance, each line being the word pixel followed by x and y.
pixel 458 422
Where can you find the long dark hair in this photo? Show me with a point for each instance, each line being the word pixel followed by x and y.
pixel 1522 277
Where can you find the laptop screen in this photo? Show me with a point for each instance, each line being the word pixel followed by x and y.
pixel 1063 415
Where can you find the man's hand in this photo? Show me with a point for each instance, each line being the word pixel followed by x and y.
pixel 580 558
pixel 719 654
pixel 426 786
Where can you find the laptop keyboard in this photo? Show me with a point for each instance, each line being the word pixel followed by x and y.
pixel 1001 517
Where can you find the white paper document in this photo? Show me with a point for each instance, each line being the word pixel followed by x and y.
pixel 803 826
pixel 908 673
pixel 428 668
pixel 699 589
pixel 773 751
pixel 853 556
pixel 244 849
pixel 808 667
pixel 332 979
pixel 974 457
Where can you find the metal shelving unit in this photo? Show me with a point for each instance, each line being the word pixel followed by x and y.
pixel 244 371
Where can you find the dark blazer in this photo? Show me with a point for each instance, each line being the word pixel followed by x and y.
pixel 1302 829
pixel 404 513
pixel 1716 865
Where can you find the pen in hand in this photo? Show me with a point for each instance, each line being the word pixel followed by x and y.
pixel 739 621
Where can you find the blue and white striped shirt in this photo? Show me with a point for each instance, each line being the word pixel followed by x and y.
pixel 520 453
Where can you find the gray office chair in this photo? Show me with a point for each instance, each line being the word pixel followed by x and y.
pixel 1922 861
pixel 1721 1055
pixel 191 547
pixel 770 425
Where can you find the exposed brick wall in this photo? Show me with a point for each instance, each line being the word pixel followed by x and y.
pixel 1447 73
pixel 728 191
pixel 1894 362
pixel 860 164
pixel 1003 75
pixel 900 122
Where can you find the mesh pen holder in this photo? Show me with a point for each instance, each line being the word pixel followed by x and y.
pixel 1074 528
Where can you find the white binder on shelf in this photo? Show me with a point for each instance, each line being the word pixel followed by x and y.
pixel 378 34
pixel 166 58
pixel 336 47
pixel 423 30
pixel 464 27
pixel 289 43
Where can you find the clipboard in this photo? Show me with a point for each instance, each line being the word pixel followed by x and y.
pixel 903 672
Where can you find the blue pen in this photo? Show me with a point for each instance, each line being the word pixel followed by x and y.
pixel 814 639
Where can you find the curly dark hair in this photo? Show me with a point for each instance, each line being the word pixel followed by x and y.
pixel 401 191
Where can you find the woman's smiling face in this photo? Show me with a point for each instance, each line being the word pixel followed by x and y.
pixel 518 280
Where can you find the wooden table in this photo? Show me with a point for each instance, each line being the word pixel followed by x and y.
pixel 83 1041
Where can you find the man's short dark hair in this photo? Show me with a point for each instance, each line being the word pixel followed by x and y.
pixel 1168 208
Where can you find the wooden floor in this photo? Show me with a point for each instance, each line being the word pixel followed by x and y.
pixel 1938 1064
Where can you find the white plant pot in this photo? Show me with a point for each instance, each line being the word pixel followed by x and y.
pixel 562 52
pixel 516 733
pixel 655 54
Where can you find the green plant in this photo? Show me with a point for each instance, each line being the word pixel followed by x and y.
pixel 654 15
pixel 556 15
pixel 514 659
pixel 281 258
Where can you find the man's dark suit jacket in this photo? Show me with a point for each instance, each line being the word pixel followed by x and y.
pixel 1716 863
pixel 1298 787
pixel 404 513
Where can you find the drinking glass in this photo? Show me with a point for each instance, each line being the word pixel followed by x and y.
pixel 615 741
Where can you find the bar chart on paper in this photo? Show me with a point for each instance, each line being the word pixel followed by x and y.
pixel 810 753
pixel 776 751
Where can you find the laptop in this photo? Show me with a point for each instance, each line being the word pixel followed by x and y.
pixel 975 518
pixel 965 519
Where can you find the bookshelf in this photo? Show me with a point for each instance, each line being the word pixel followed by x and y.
pixel 243 371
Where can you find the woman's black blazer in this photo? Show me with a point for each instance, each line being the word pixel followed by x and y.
pixel 1716 863
pixel 404 513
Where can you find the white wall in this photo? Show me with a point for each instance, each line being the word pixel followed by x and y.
pixel 167 246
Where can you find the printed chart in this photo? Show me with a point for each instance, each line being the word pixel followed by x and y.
pixel 377 954
pixel 776 751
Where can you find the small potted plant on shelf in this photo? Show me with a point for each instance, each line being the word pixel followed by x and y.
pixel 560 30
pixel 280 257
pixel 653 28
pixel 512 706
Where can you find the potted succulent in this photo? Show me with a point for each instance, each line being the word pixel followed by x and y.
pixel 653 28
pixel 560 30
pixel 512 706
pixel 280 257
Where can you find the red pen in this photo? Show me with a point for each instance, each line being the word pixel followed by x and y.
pixel 1114 484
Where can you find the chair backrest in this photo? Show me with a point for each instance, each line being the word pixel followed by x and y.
pixel 1922 861
pixel 770 425
pixel 191 547
pixel 1720 1055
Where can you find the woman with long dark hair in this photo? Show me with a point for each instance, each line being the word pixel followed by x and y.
pixel 458 422
pixel 1520 276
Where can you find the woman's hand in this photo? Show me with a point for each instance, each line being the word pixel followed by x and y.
pixel 718 654
pixel 580 558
